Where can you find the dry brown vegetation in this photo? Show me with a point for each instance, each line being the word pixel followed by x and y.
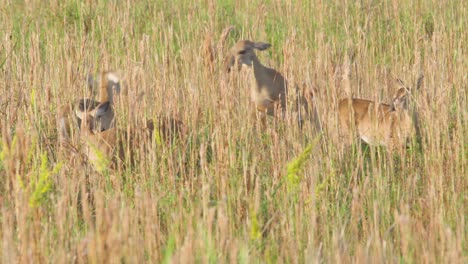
pixel 225 190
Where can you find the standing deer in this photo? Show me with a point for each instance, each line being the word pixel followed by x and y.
pixel 102 111
pixel 379 123
pixel 104 148
pixel 268 87
pixel 70 116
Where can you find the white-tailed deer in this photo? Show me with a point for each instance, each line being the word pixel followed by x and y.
pixel 268 87
pixel 378 123
pixel 99 147
pixel 69 116
pixel 102 111
pixel 169 127
pixel 104 149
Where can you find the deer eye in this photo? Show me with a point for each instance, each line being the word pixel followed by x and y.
pixel 242 52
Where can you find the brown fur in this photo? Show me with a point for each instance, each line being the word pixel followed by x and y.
pixel 112 145
pixel 69 117
pixel 378 123
pixel 102 111
pixel 115 145
pixel 268 87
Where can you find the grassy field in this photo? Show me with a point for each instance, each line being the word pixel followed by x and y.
pixel 229 190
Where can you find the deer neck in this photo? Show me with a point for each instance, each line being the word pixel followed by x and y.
pixel 105 94
pixel 258 74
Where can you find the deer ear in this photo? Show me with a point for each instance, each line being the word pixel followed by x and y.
pixel 261 45
pixel 400 82
pixel 420 81
pixel 228 63
pixel 399 97
pixel 102 109
pixel 86 104
pixel 93 81
pixel 90 81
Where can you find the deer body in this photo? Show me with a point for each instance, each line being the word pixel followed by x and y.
pixel 269 89
pixel 69 117
pixel 106 147
pixel 102 111
pixel 378 123
pixel 375 123
pixel 99 147
pixel 109 146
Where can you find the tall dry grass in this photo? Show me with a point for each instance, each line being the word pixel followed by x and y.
pixel 222 192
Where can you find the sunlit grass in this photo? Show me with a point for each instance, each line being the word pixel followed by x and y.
pixel 230 190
